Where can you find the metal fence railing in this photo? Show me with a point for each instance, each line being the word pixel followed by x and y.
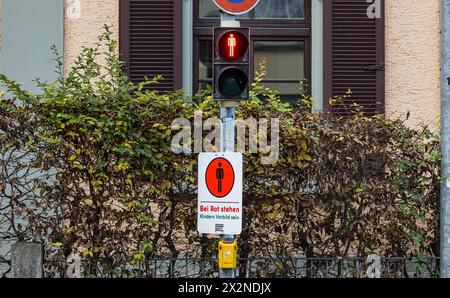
pixel 269 267
pixel 275 267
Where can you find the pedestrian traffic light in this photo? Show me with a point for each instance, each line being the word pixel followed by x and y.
pixel 231 63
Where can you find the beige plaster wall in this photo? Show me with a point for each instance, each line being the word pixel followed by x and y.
pixel 83 25
pixel 413 60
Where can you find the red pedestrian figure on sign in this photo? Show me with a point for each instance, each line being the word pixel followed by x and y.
pixel 232 44
pixel 219 176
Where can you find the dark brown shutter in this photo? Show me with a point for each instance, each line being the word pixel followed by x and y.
pixel 353 56
pixel 150 41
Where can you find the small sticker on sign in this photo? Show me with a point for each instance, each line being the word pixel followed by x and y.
pixel 219 228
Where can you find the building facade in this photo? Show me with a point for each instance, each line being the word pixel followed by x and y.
pixel 386 51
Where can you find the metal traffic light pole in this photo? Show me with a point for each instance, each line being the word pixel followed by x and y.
pixel 227 135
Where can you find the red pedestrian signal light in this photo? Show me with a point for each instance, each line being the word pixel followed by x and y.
pixel 233 45
pixel 231 42
pixel 231 63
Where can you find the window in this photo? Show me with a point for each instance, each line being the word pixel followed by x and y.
pixel 280 37
pixel 266 9
pixel 284 62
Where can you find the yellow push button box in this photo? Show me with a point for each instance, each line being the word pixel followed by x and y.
pixel 227 255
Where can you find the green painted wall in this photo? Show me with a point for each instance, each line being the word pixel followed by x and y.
pixel 29 28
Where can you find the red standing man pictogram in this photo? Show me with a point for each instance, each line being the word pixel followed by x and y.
pixel 231 44
pixel 219 177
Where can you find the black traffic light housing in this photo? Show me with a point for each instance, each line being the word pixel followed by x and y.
pixel 231 63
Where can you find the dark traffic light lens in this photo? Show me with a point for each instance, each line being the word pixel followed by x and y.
pixel 232 82
pixel 233 45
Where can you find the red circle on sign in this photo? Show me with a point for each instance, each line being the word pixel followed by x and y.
pixel 219 177
pixel 236 7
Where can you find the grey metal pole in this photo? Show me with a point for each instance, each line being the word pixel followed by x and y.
pixel 445 139
pixel 227 136
pixel 227 115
